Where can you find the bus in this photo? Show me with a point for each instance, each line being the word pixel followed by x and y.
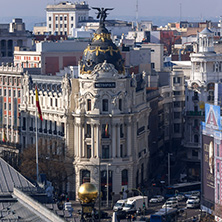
pixel 182 188
pixel 164 215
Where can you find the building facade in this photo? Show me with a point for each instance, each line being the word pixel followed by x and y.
pixel 64 16
pixel 205 73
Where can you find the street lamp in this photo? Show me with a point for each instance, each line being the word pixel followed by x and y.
pixel 169 154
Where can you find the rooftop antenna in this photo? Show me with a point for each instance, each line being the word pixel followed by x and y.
pixel 137 25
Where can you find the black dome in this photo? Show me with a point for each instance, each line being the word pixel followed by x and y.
pixel 101 48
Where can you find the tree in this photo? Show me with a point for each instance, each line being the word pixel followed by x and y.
pixel 54 162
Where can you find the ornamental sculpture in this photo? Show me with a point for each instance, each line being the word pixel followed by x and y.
pixel 102 14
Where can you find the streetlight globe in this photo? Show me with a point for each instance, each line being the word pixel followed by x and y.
pixel 87 193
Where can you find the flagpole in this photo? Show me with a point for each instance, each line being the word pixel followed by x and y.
pixel 36 142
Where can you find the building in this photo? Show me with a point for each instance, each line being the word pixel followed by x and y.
pixel 110 119
pixel 211 159
pixel 205 73
pixel 11 35
pixel 64 16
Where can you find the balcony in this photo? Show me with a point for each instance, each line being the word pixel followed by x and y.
pixel 61 134
pixel 31 128
pixel 45 130
pixel 40 130
pixel 141 130
pixel 50 131
pixel 23 128
pixel 105 136
pixel 195 113
pixel 55 132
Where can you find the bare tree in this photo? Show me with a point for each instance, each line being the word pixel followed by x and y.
pixel 54 161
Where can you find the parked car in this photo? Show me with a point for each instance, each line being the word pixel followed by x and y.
pixel 193 202
pixel 180 197
pixel 170 203
pixel 156 199
pixel 192 193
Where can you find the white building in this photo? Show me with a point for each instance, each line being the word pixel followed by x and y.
pixel 64 16
pixel 206 71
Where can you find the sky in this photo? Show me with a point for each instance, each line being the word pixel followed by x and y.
pixel 189 8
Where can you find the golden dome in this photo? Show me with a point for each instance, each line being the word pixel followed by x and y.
pixel 87 193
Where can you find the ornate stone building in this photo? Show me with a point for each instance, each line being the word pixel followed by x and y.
pixel 206 72
pixel 101 114
pixel 110 118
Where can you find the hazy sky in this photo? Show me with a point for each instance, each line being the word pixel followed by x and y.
pixel 190 8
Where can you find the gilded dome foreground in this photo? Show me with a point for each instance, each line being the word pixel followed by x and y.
pixel 101 49
pixel 87 193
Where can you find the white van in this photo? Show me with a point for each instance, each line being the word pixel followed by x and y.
pixel 135 203
pixel 119 205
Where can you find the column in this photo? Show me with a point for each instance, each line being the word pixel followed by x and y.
pixel 114 140
pixel 129 139
pixel 118 140
pixel 98 141
pixel 82 140
pixel 92 141
pixel 76 153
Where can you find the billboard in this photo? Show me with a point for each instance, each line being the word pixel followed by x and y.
pixel 208 168
pixel 212 116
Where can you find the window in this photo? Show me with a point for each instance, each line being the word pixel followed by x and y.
pixel 24 123
pixel 19 93
pixel 218 192
pixel 5 106
pixel 0 92
pixel 65 25
pixel 9 92
pixel 60 25
pixel 196 139
pixel 85 176
pixel 124 177
pixel 88 151
pixel 88 131
pixel 152 65
pixel 218 150
pixel 105 130
pixel 105 151
pixel 65 18
pixel 88 104
pixel 9 106
pixel 14 93
pixel 120 104
pixel 71 18
pixel 218 167
pixel 50 101
pixel 71 25
pixel 194 153
pixel 176 80
pixel 176 104
pixel 56 103
pixel 60 18
pixel 45 130
pixel 121 131
pixel 121 150
pixel 50 18
pixel 50 26
pixel 4 92
pixel 105 105
pixel 176 115
pixel 176 93
pixel 56 25
pixel 176 128
pixel 56 18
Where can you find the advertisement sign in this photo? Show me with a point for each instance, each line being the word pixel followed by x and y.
pixel 208 168
pixel 212 116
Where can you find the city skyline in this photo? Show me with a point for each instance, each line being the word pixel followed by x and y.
pixel 174 8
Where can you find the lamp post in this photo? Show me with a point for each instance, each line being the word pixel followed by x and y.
pixel 169 154
pixel 107 184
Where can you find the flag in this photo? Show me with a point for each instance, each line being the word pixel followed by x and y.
pixel 106 130
pixel 37 103
pixel 4 137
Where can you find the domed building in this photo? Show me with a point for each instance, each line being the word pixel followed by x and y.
pixel 110 115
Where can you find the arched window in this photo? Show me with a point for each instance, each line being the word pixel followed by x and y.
pixel 196 139
pixel 105 105
pixel 85 176
pixel 125 177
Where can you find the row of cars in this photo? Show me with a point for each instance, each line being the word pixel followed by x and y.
pixel 192 201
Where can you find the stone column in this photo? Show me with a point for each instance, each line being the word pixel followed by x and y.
pixel 114 140
pixel 92 141
pixel 82 140
pixel 98 142
pixel 118 140
pixel 129 152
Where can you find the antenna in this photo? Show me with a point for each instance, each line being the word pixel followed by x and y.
pixel 137 15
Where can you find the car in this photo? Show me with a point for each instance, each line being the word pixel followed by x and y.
pixel 192 193
pixel 156 199
pixel 194 198
pixel 180 197
pixel 170 203
pixel 172 198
